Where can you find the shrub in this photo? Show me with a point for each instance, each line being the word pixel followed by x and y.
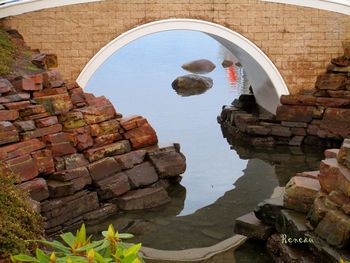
pixel 7 52
pixel 18 221
pixel 79 249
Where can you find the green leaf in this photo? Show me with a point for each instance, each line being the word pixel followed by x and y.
pixel 125 236
pixel 41 256
pixel 90 246
pixel 25 258
pixel 81 236
pixel 105 233
pixel 133 250
pixel 69 238
pixel 56 244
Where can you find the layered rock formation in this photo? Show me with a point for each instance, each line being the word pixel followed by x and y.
pixel 79 159
pixel 309 219
pixel 319 116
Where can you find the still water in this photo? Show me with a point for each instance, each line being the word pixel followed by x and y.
pixel 220 183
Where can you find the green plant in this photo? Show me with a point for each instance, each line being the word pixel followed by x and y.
pixel 18 221
pixel 7 52
pixel 79 248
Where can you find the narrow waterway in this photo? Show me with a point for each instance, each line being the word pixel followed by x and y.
pixel 221 182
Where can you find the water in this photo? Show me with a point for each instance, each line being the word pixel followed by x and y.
pixel 220 183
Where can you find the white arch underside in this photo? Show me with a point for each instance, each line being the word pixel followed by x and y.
pixel 267 82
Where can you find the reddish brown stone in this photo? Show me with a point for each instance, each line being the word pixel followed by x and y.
pixel 336 123
pixel 63 148
pixel 328 174
pixel 17 105
pixel 333 102
pixel 130 122
pixel 345 94
pixel 343 155
pixel 37 116
pixel 83 137
pixel 77 95
pixel 75 160
pixel 52 79
pixel 298 131
pixel 142 136
pixel 37 189
pixel 281 131
pixel 329 81
pixel 69 175
pixel 24 125
pixel 40 132
pixel 113 186
pixel 8 133
pixel 298 100
pixel 8 115
pixel 108 150
pixel 5 86
pixel 168 161
pixel 143 199
pixel 104 168
pixel 128 160
pixel 24 166
pixel 294 124
pixel 27 84
pixel 96 101
pixel 21 148
pixel 71 116
pixel 15 97
pixel 45 61
pixel 32 110
pixel 258 130
pixel 295 113
pixel 49 92
pixel 96 114
pixel 56 104
pixel 107 139
pixel 44 161
pixel 142 175
pixel 60 137
pixel 59 189
pixel 104 128
pixel 45 122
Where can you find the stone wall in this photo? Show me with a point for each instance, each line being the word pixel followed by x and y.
pixel 299 40
pixel 319 116
pixel 80 160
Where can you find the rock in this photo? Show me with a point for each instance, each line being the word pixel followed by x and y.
pixel 339 93
pixel 97 216
pixel 168 161
pixel 107 139
pixel 20 148
pixel 113 186
pixel 60 188
pixel 108 150
pixel 35 206
pixel 310 174
pixel 296 141
pixel 15 97
pixel 28 83
pixel 330 81
pixel 8 133
pixel 141 227
pixel 104 168
pixel 49 92
pixel 243 120
pixel 17 105
pixel 292 224
pixel 104 128
pixel 258 130
pixel 52 79
pixel 83 138
pixel 24 126
pixel 142 175
pixel 294 113
pixel 226 63
pixel 268 210
pixel 36 116
pixel 201 66
pixel 335 228
pixel 75 160
pixel 70 175
pixel 300 193
pixel 44 161
pixel 96 114
pixel 77 96
pixel 251 227
pixel 298 99
pixel 45 61
pixel 142 136
pixel 281 131
pixel 189 85
pixel 56 211
pixel 343 156
pixel 36 188
pixel 145 198
pixel 8 115
pixel 333 102
pixel 132 122
pixel 331 153
pixel 24 166
pixel 318 210
pixel 338 199
pixel 294 124
pixel 56 104
pixel 280 251
pixel 32 110
pixel 5 86
pixel 128 160
pixel 46 122
pixel 40 132
pixel 61 143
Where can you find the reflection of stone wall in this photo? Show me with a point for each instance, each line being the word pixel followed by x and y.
pixel 79 159
pixel 314 117
pixel 299 40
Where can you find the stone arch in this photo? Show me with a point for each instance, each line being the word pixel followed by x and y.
pixel 266 80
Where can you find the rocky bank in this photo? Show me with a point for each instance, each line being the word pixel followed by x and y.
pixel 80 159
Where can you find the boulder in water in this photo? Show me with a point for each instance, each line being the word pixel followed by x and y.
pixel 191 84
pixel 200 66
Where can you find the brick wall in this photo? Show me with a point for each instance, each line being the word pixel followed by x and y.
pixel 299 40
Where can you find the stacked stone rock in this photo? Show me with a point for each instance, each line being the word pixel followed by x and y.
pixel 311 117
pixel 311 215
pixel 76 155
